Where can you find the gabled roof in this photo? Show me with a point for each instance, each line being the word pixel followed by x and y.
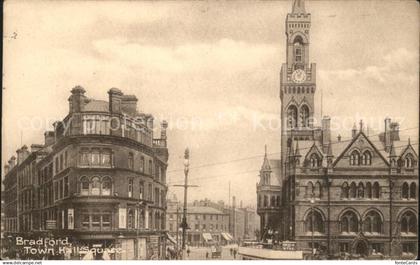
pixel 405 149
pixel 358 136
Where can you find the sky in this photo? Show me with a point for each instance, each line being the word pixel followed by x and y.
pixel 211 69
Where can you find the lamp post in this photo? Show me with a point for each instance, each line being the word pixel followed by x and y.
pixel 184 214
pixel 312 201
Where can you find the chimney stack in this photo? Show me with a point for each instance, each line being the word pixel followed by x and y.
pixel 387 136
pixel 77 99
pixel 25 152
pixel 115 99
pixel 49 137
pixel 12 162
pixel 326 133
pixel 19 153
pixel 129 104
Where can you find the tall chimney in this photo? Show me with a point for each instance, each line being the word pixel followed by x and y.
pixel 49 137
pixel 387 136
pixel 326 133
pixel 115 99
pixel 77 99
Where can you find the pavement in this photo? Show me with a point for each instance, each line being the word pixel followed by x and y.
pixel 200 253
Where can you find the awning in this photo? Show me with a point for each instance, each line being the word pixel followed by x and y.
pixel 171 238
pixel 230 237
pixel 207 237
pixel 226 237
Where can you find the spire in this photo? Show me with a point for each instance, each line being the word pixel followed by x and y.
pixel 297 153
pixel 298 7
pixel 266 164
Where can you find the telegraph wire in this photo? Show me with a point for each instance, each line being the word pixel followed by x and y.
pixel 276 153
pixel 255 171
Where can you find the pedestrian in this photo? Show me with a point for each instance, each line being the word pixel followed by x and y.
pixel 231 250
pixel 188 252
pixel 234 253
pixel 207 255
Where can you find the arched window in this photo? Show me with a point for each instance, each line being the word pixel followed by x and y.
pixel 278 201
pixel 409 161
pixel 315 161
pixel 273 201
pixel 360 190
pixel 316 222
pixel 366 158
pixel 304 116
pixel 318 190
pixel 106 186
pixel 408 223
pixel 413 190
pixel 369 190
pixel 96 186
pixel 349 222
pixel 84 186
pixel 404 190
pixel 353 190
pixel 354 158
pixel 298 49
pixel 345 190
pixel 375 190
pixel 372 223
pixel 309 190
pixel 259 200
pixel 130 219
pixel 265 200
pixel 292 116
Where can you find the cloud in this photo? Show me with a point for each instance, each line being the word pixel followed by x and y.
pixel 397 66
pixel 224 55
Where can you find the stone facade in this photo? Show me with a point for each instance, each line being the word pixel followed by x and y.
pixel 353 197
pixel 99 179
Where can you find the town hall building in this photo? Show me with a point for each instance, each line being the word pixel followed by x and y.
pixel 354 198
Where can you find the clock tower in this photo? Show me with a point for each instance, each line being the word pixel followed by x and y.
pixel 297 81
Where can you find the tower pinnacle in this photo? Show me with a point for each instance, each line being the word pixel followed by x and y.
pixel 298 7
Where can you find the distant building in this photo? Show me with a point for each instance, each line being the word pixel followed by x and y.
pixel 99 179
pixel 207 225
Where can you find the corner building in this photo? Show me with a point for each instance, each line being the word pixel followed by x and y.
pixel 343 198
pixel 99 179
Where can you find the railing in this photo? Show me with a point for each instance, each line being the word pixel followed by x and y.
pixel 159 143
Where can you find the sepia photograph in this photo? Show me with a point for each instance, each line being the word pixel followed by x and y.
pixel 210 130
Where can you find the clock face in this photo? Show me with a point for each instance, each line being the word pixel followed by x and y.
pixel 299 76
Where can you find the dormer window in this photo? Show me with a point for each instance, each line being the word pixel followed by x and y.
pixel 354 158
pixel 409 161
pixel 366 158
pixel 314 161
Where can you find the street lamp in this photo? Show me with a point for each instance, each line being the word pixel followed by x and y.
pixel 184 216
pixel 312 201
